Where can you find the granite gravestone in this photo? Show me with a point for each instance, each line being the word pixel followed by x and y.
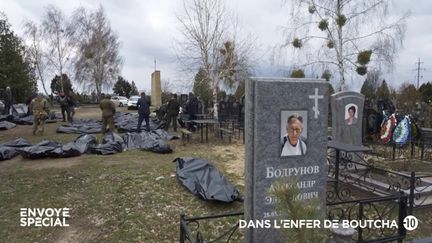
pixel 269 104
pixel 235 111
pixel 347 117
pixel 200 106
pixel 222 110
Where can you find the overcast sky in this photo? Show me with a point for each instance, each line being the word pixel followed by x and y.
pixel 147 30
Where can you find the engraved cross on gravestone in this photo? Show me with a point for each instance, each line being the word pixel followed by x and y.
pixel 316 97
pixel 286 136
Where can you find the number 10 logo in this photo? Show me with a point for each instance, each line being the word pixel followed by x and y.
pixel 410 222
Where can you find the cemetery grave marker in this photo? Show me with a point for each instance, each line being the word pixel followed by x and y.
pixel 269 104
pixel 347 117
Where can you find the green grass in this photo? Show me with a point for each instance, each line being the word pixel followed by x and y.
pixel 116 198
pixel 113 198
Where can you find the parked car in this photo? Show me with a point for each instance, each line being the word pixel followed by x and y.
pixel 132 104
pixel 119 100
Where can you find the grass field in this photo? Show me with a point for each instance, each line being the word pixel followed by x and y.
pixel 132 196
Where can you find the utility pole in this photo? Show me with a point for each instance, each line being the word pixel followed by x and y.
pixel 418 69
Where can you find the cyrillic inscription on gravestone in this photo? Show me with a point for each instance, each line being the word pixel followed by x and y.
pixel 286 136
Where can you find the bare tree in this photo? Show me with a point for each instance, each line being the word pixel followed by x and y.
pixel 239 55
pixel 202 26
pixel 345 35
pixel 59 39
pixel 37 52
pixel 210 44
pixel 98 62
pixel 235 65
pixel 167 85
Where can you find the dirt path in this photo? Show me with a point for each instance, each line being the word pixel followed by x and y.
pixel 80 231
pixel 39 163
pixel 234 153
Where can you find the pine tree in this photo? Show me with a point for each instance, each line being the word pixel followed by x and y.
pixel 426 91
pixel 383 91
pixel 15 69
pixel 285 193
pixel 57 83
pixel 122 87
pixel 371 85
pixel 134 89
pixel 202 86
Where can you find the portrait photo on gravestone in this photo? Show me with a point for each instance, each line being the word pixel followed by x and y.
pixel 351 114
pixel 293 133
pixel 286 140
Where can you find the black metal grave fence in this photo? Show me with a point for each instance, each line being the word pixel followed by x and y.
pixel 194 235
pixel 396 196
pixel 382 209
pixel 379 209
pixel 351 171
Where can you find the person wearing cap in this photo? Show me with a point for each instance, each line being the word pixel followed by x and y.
pixel 40 109
pixel 108 111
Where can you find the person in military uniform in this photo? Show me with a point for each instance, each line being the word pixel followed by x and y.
pixel 173 108
pixel 40 109
pixel 64 105
pixel 71 104
pixel 143 106
pixel 28 102
pixel 108 111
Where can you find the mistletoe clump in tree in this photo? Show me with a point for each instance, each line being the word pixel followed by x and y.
pixel 211 44
pixel 345 36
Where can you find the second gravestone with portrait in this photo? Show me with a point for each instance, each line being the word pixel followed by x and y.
pixel 347 117
pixel 286 127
